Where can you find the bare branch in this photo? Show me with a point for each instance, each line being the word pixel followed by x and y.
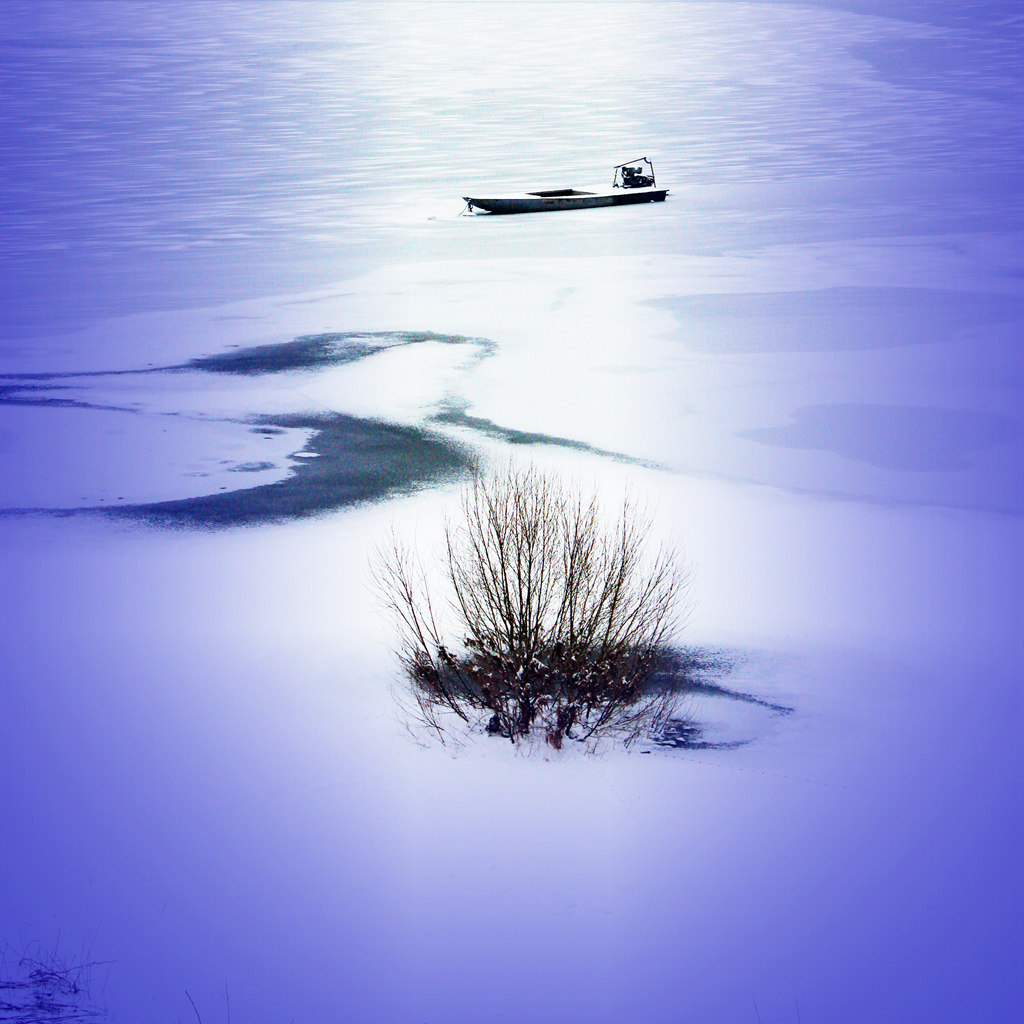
pixel 554 621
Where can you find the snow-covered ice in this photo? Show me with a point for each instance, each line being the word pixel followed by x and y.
pixel 807 362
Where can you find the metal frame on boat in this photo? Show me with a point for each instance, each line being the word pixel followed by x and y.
pixel 632 182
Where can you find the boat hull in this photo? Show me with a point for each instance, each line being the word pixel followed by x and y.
pixel 565 199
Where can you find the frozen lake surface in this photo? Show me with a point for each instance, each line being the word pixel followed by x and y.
pixel 246 332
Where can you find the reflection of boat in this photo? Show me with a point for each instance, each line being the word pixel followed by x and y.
pixel 632 182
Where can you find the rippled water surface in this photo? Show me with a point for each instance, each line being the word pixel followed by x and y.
pixel 163 155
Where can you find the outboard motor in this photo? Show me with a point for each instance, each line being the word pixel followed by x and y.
pixel 637 174
pixel 634 177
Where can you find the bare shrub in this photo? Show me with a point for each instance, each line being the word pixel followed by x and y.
pixel 547 620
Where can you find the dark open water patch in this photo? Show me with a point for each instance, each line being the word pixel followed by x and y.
pixel 348 461
pixel 686 734
pixel 307 352
pixel 700 672
pixel 42 395
pixel 454 414
pixel 319 351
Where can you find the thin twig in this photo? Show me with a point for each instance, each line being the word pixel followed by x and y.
pixel 193 1002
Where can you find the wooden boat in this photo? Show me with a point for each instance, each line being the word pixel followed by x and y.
pixel 631 183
